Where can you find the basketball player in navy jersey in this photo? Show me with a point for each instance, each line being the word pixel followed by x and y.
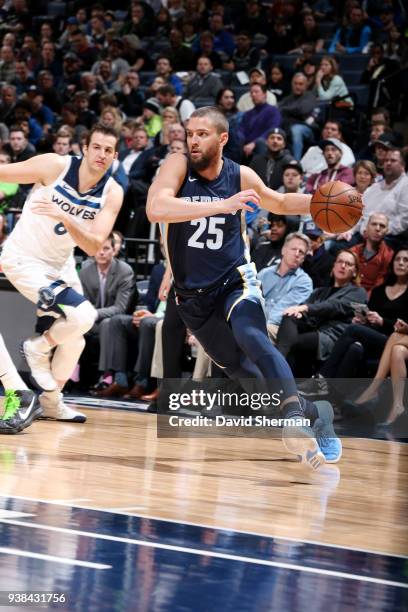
pixel 74 201
pixel 200 203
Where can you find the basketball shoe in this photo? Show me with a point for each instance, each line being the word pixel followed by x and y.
pixel 20 410
pixel 326 437
pixel 54 408
pixel 39 364
pixel 300 441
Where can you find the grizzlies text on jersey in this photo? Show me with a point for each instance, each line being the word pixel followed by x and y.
pixel 204 251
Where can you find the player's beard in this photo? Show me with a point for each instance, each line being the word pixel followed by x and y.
pixel 204 161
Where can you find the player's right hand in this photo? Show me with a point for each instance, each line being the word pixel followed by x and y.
pixel 240 201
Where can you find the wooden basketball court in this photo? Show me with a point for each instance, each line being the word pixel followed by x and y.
pixel 108 511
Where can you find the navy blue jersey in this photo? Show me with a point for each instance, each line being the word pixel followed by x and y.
pixel 203 251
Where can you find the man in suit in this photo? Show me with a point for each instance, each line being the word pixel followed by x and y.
pixel 109 285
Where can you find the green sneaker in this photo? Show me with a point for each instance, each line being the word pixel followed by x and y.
pixel 20 410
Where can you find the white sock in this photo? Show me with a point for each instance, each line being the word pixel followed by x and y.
pixel 9 376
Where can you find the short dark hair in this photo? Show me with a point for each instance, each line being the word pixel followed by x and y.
pixel 102 129
pixel 16 128
pixel 166 90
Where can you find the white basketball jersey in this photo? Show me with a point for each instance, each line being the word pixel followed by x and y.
pixel 44 238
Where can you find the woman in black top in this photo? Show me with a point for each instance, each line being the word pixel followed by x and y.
pixel 369 333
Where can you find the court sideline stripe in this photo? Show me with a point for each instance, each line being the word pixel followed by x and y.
pixel 207 553
pixel 27 553
pixel 205 526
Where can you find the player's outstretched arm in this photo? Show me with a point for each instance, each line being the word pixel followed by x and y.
pixel 42 169
pixel 278 203
pixel 164 206
pixel 88 240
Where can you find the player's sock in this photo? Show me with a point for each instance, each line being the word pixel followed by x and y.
pixel 9 376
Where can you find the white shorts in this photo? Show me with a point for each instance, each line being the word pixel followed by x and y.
pixel 29 275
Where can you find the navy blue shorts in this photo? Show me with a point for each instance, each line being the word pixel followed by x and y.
pixel 206 313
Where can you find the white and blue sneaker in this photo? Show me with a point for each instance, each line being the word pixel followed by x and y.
pixel 329 443
pixel 301 442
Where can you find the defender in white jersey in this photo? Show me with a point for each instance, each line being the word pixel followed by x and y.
pixel 74 201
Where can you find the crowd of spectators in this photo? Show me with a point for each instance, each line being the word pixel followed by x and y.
pixel 313 91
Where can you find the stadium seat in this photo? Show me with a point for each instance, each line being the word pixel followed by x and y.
pixel 354 61
pixel 351 77
pixel 360 94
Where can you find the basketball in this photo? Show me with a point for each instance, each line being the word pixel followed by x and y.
pixel 336 207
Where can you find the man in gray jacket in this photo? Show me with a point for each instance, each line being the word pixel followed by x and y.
pixel 109 284
pixel 204 84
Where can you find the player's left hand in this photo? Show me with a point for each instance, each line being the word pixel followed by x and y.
pixel 43 206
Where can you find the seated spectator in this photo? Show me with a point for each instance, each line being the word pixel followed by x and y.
pixel 123 337
pixel 62 144
pixel 204 47
pixel 7 64
pixel 390 197
pixel 226 103
pixel 205 84
pixel 164 69
pixel 309 69
pixel 269 166
pixel 23 79
pixel 309 33
pixel 129 98
pixel 373 254
pixel 393 361
pixel 7 190
pixel 292 178
pixel 378 68
pixel 166 96
pixel 280 39
pixel 23 111
pixel 371 328
pixel 181 56
pixel 224 42
pixel 318 263
pixel 309 331
pixel 151 117
pixel 273 232
pixel 353 37
pixel 278 83
pixel 257 123
pixel 256 76
pixel 109 285
pixel 332 151
pixel 378 128
pixel 382 145
pixel 297 114
pixel 18 148
pixel 330 85
pixel 245 55
pixel 86 116
pixel 40 111
pixel 7 103
pixel 169 116
pixel 314 161
pixel 141 21
pixel 285 284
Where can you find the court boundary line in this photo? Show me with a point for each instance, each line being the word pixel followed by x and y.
pixel 53 558
pixel 209 553
pixel 205 526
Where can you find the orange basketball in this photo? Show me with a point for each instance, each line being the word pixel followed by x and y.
pixel 336 207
